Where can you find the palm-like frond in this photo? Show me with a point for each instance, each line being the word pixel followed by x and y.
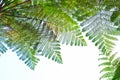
pixel 109 64
pixel 25 34
pixel 97 29
pixel 51 16
pixel 50 49
pixel 73 37
pixel 36 27
pixel 20 42
pixel 22 48
pixel 47 45
pixel 36 40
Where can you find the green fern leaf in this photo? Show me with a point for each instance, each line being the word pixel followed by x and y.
pixel 98 28
pixel 106 75
pixel 116 61
pixel 105 63
pixel 117 73
pixel 112 57
pixel 46 44
pixel 22 48
pixel 50 49
pixel 44 40
pixel 73 37
pixel 103 58
pixel 21 37
pixel 106 69
pixel 109 65
pixel 51 16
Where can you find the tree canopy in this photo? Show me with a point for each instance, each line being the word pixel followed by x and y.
pixel 33 28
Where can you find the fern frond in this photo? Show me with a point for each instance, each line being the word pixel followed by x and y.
pixel 97 29
pixel 42 27
pixel 50 49
pixel 64 28
pixel 109 65
pixel 46 44
pixel 18 43
pixel 73 37
pixel 41 39
pixel 51 16
pixel 20 39
pixel 47 13
pixel 117 73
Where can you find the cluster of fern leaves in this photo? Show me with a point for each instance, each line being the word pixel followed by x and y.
pixel 33 28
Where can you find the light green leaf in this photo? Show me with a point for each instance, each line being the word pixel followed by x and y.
pixel 103 58
pixel 106 69
pixel 106 75
pixel 105 64
pixel 97 29
pixel 50 49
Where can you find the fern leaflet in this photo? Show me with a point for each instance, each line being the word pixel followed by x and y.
pixel 49 49
pixel 109 65
pixel 3 48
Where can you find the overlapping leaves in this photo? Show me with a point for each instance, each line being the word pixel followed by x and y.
pixel 30 33
pixel 51 15
pixel 50 49
pixel 38 27
pixel 20 42
pixel 97 29
pixel 27 41
pixel 109 64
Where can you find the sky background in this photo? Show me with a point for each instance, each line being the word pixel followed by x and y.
pixel 79 63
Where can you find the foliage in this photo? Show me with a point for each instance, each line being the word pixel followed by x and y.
pixel 98 28
pixel 3 48
pixel 109 62
pixel 38 27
